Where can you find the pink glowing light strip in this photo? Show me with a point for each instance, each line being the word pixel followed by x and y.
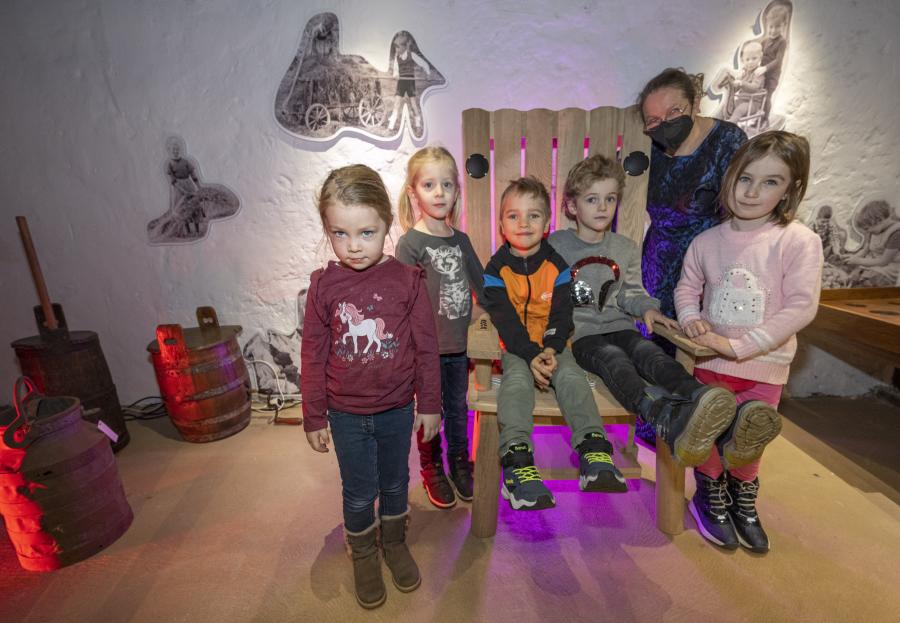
pixel 522 145
pixel 463 200
pixel 587 146
pixel 554 154
pixel 493 199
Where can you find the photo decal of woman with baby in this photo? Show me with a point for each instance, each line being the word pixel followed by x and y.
pixel 747 88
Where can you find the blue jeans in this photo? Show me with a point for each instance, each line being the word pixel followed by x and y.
pixel 373 456
pixel 454 412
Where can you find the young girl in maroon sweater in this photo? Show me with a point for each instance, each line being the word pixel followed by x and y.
pixel 369 345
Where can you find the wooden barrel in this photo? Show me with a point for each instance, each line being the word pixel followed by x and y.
pixel 202 378
pixel 71 363
pixel 60 492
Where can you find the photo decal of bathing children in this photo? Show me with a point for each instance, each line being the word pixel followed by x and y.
pixel 326 93
pixel 747 88
pixel 866 256
pixel 192 204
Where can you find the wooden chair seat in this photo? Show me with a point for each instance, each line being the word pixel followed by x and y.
pixel 484 349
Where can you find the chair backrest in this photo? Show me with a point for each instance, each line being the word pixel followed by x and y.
pixel 546 144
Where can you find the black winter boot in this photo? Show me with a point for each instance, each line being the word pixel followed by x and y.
pixel 743 514
pixel 690 426
pixel 756 424
pixel 367 581
pixel 404 571
pixel 709 508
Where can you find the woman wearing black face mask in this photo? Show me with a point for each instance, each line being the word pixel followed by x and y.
pixel 689 157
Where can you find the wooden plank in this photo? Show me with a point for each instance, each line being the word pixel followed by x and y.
pixel 605 126
pixel 571 124
pixel 546 407
pixel 877 332
pixel 540 129
pixel 633 207
pixel 682 341
pixel 483 340
pixel 859 293
pixel 487 476
pixel 846 327
pixel 873 361
pixel 669 492
pixel 508 127
pixel 476 140
pixel 879 310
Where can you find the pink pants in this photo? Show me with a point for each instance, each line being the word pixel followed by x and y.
pixel 744 390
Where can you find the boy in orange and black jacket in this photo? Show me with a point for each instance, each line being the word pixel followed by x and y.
pixel 527 294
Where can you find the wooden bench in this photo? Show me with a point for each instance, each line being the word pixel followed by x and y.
pixel 862 327
pixel 547 144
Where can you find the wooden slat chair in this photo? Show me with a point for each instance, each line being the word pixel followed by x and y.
pixel 547 144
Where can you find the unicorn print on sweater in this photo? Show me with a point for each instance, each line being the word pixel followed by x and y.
pixel 360 326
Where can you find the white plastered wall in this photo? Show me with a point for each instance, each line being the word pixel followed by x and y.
pixel 92 89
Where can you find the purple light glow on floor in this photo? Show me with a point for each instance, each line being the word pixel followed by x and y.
pixel 553 453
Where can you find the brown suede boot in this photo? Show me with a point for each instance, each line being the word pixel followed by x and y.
pixel 367 581
pixel 404 571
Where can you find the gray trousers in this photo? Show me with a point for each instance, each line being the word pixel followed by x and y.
pixel 515 400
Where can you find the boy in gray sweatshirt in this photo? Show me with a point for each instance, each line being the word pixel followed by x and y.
pixel 607 294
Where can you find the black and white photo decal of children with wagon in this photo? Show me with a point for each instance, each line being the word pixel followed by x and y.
pixel 868 256
pixel 326 93
pixel 746 89
pixel 192 203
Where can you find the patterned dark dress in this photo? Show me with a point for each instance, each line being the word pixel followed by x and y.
pixel 681 203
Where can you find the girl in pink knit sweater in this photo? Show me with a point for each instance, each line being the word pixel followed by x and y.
pixel 747 287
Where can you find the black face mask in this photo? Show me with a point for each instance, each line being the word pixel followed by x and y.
pixel 671 134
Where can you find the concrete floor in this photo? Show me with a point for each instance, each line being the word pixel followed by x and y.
pixel 249 529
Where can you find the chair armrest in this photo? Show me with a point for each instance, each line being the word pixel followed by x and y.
pixel 483 348
pixel 484 341
pixel 683 342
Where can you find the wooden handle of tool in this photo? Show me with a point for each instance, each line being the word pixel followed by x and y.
pixel 36 274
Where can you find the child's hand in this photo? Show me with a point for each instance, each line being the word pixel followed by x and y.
pixel 319 440
pixel 716 342
pixel 429 423
pixel 542 368
pixel 653 315
pixel 549 358
pixel 695 328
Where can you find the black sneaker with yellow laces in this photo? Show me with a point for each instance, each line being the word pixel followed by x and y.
pixel 522 483
pixel 598 473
